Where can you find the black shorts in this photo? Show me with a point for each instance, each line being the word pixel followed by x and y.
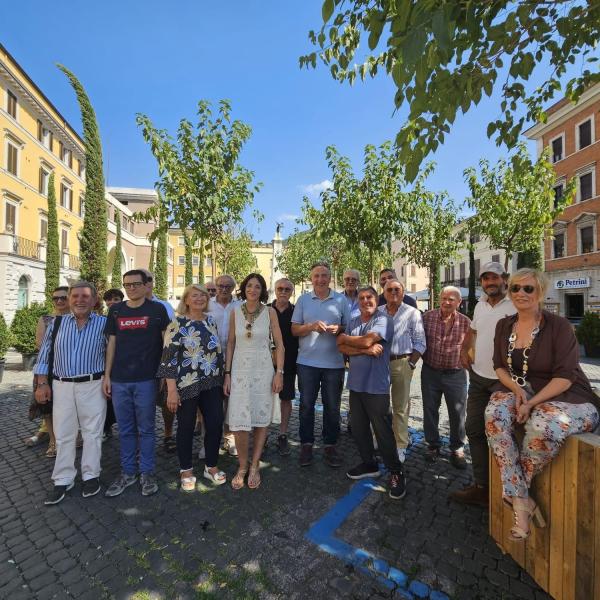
pixel 289 384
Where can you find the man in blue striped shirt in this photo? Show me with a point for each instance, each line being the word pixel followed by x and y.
pixel 78 400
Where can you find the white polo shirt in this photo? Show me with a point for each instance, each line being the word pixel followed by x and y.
pixel 485 318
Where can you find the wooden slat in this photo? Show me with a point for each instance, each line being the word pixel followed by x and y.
pixel 495 513
pixel 570 521
pixel 556 525
pixel 539 549
pixel 584 568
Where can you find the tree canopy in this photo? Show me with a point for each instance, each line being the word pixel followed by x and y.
pixel 443 56
pixel 234 254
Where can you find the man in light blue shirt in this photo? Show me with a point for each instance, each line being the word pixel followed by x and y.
pixel 408 344
pixel 351 285
pixel 318 318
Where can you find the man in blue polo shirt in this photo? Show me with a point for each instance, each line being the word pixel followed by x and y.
pixel 368 344
pixel 318 318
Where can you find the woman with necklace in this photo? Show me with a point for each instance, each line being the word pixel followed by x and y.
pixel 192 365
pixel 250 380
pixel 541 386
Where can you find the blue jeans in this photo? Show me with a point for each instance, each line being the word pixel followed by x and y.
pixel 331 382
pixel 135 409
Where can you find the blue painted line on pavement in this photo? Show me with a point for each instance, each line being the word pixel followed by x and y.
pixel 322 533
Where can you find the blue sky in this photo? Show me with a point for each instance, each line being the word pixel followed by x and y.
pixel 160 58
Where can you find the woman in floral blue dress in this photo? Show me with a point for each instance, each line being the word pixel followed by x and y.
pixel 192 365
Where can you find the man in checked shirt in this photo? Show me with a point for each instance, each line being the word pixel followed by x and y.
pixel 443 373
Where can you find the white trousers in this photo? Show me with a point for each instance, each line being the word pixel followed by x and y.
pixel 77 406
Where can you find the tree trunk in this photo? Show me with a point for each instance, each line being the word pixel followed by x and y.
pixel 434 285
pixel 201 262
pixel 472 295
pixel 189 253
pixel 214 261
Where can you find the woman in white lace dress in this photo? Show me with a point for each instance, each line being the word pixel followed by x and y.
pixel 251 381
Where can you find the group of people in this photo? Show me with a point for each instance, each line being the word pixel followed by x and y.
pixel 232 364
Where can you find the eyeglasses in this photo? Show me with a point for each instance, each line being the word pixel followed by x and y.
pixel 284 289
pixel 135 284
pixel 528 289
pixel 393 290
pixel 349 279
pixel 225 287
pixel 59 298
pixel 211 289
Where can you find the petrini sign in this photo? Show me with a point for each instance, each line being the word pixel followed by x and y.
pixel 573 284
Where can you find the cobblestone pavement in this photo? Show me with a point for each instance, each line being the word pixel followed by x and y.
pixel 217 543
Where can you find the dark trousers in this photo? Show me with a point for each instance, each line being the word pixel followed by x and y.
pixel 452 383
pixel 480 390
pixel 331 382
pixel 210 403
pixel 373 409
pixel 110 416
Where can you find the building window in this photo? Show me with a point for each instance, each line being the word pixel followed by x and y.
pixel 180 241
pixel 413 287
pixel 12 159
pixel 170 254
pixel 402 271
pixel 181 260
pixel 195 260
pixel 584 134
pixel 586 186
pixel 44 179
pixel 496 258
pixel 23 292
pixel 10 217
pixel 80 168
pixel 475 238
pixel 180 280
pixel 82 205
pixel 413 271
pixel 43 228
pixel 208 261
pixel 559 190
pixel 64 240
pixel 66 197
pixel 11 104
pixel 557 148
pixel 124 222
pixel 477 267
pixel 586 239
pixel 446 274
pixel 559 245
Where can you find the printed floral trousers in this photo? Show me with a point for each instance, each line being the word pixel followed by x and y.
pixel 549 424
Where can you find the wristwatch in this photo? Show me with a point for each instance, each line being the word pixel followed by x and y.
pixel 280 371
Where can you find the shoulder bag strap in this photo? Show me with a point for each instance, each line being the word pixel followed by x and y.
pixel 55 328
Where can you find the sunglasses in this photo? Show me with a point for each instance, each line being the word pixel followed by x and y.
pixel 393 290
pixel 135 284
pixel 225 287
pixel 59 298
pixel 284 289
pixel 528 289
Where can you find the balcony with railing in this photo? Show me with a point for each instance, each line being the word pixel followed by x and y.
pixel 26 248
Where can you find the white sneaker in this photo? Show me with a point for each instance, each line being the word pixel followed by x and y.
pixel 401 454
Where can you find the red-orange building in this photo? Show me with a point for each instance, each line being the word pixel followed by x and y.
pixel 572 258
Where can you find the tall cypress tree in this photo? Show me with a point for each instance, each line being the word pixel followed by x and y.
pixel 95 226
pixel 151 261
pixel 160 270
pixel 116 278
pixel 52 248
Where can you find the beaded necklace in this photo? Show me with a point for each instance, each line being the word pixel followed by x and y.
pixel 250 318
pixel 520 380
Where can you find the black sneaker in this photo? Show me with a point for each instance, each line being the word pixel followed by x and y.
pixel 282 445
pixel 432 454
pixel 149 485
pixel 361 471
pixel 397 485
pixel 58 493
pixel 90 487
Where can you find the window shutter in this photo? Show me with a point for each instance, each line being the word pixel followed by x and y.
pixel 51 141
pixel 70 159
pixel 40 130
pixel 41 181
pixel 70 192
pixel 60 150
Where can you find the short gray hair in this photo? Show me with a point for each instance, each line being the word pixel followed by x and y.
pixel 231 277
pixel 355 272
pixel 320 263
pixel 394 281
pixel 84 284
pixel 453 289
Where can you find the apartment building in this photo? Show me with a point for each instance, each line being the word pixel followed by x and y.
pixel 572 258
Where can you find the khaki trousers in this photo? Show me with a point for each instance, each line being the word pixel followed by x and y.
pixel 401 375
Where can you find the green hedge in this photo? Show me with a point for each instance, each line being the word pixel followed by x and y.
pixel 24 325
pixel 5 337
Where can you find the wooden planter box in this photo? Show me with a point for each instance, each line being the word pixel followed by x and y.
pixel 563 557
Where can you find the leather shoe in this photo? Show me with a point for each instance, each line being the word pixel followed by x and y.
pixel 331 457
pixel 476 495
pixel 306 455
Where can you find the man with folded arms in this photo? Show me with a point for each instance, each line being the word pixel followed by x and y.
pixel 77 367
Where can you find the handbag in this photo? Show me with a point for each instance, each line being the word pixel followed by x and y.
pixel 162 391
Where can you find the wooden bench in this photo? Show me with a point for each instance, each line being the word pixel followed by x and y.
pixel 563 557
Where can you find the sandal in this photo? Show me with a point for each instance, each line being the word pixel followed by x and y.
pixel 36 439
pixel 169 444
pixel 188 484
pixel 51 452
pixel 217 477
pixel 528 506
pixel 254 478
pixel 237 483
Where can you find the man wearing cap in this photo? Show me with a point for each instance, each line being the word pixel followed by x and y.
pixel 493 305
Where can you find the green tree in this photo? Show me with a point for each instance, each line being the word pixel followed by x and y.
pixel 360 211
pixel 161 282
pixel 204 187
pixel 52 247
pixel 514 203
pixel 151 260
pixel 93 237
pixel 234 254
pixel 189 257
pixel 427 231
pixel 300 250
pixel 444 56
pixel 201 250
pixel 116 278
